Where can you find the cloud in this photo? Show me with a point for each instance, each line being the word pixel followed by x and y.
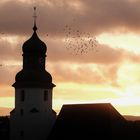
pixel 95 67
pixel 107 15
pixel 10 50
pixel 132 56
pixel 7 74
pixel 57 52
pixel 95 17
pixel 104 54
pixel 84 73
pixel 91 16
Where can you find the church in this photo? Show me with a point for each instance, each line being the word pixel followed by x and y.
pixel 34 119
pixel 33 116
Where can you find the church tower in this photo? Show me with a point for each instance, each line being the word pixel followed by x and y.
pixel 33 116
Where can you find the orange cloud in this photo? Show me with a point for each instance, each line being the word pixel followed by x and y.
pixel 84 73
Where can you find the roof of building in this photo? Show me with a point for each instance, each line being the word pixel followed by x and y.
pixel 34 44
pixel 84 121
pixel 33 75
pixel 32 78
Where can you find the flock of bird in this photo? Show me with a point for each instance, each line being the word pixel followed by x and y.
pixel 79 43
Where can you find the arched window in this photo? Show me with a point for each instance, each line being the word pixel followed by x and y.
pixel 22 95
pixel 45 95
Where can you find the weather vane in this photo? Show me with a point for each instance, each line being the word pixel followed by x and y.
pixel 35 16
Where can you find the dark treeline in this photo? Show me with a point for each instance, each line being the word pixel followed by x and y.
pixel 129 130
pixel 4 127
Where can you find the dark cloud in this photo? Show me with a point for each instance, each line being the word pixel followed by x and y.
pixel 92 16
pixel 106 15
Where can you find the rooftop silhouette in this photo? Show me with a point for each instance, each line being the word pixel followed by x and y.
pixel 93 121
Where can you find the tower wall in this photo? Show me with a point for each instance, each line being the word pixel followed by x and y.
pixel 33 117
pixel 39 98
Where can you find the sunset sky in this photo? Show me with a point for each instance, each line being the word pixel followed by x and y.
pixel 109 72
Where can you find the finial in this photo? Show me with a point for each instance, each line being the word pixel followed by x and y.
pixel 35 17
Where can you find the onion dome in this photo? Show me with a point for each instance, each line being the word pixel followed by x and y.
pixel 34 44
pixel 33 74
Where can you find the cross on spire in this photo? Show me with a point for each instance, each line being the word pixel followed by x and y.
pixel 35 17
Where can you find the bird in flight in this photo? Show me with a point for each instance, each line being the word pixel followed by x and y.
pixel 78 42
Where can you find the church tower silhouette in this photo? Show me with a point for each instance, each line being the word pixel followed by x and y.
pixel 33 116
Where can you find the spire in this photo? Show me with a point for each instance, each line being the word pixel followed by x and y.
pixel 35 17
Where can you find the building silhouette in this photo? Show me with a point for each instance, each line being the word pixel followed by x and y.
pixel 93 122
pixel 33 116
pixel 4 127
